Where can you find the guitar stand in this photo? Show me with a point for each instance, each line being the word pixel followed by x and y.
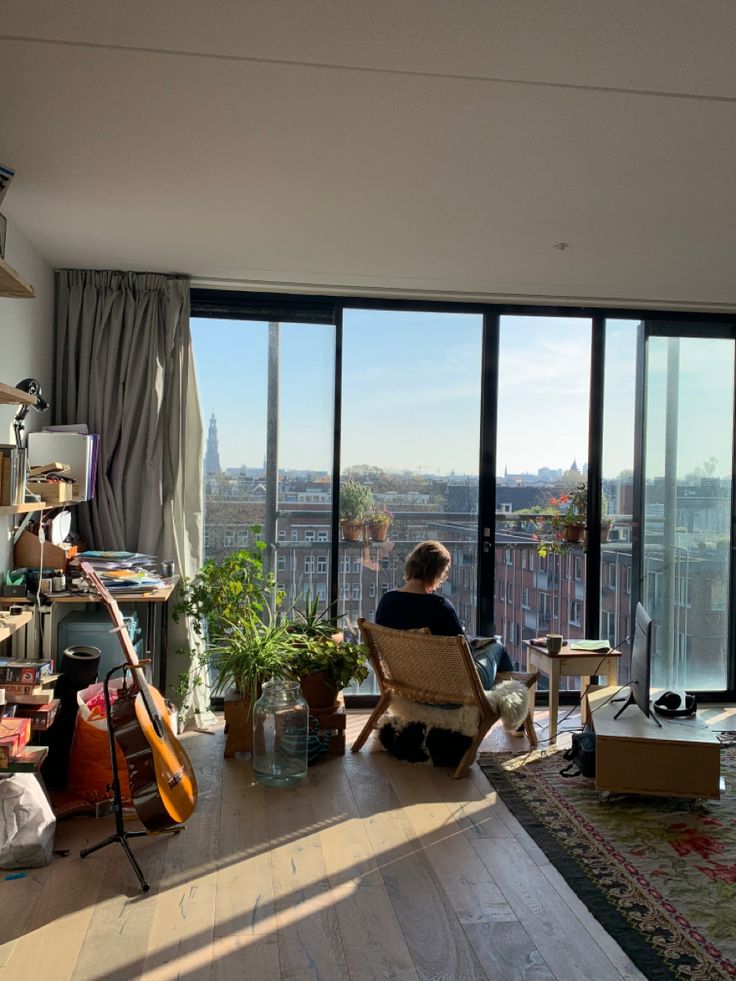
pixel 121 834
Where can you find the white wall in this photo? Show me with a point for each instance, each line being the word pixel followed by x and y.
pixel 26 347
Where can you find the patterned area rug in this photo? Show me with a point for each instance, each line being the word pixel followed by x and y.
pixel 658 875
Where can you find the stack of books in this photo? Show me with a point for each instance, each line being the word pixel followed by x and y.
pixel 27 682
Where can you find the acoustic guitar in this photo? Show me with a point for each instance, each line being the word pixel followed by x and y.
pixel 162 780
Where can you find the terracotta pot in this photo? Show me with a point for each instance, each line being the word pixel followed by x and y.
pixel 574 533
pixel 378 532
pixel 351 530
pixel 606 525
pixel 320 696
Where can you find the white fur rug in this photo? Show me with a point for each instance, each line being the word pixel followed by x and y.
pixel 509 698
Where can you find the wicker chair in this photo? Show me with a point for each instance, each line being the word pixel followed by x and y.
pixel 428 668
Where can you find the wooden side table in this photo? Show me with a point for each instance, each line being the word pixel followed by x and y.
pixel 570 663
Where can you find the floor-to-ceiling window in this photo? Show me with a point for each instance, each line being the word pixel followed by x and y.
pixel 410 433
pixel 427 408
pixel 541 461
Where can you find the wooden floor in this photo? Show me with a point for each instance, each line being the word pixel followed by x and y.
pixel 373 869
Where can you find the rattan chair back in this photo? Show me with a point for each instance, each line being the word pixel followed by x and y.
pixel 422 666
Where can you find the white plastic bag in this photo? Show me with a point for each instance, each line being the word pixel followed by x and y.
pixel 27 823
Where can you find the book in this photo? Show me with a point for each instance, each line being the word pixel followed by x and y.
pixel 28 760
pixel 595 646
pixel 16 672
pixel 41 716
pixel 14 735
pixel 30 694
pixel 12 475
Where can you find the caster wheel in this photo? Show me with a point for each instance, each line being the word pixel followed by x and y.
pixel 604 796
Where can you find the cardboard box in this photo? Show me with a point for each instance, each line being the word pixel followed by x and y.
pixel 27 553
pixel 17 672
pixel 51 492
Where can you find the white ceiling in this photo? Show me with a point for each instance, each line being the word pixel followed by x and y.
pixel 424 147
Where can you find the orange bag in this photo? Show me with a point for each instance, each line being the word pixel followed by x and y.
pixel 90 769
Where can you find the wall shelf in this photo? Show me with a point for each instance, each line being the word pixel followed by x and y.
pixel 9 625
pixel 11 283
pixel 14 396
pixel 32 506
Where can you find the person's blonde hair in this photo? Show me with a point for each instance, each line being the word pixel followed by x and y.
pixel 427 561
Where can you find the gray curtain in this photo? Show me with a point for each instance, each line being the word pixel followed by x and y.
pixel 125 367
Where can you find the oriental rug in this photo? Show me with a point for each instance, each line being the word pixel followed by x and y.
pixel 659 875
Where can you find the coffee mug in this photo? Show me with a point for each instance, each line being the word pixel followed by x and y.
pixel 554 643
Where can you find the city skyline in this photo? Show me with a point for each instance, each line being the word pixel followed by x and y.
pixel 411 391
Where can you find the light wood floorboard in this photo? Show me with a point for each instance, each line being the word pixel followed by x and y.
pixel 372 869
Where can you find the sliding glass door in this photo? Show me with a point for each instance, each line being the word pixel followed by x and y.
pixel 410 435
pixel 687 502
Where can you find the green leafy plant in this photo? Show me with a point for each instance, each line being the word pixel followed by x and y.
pixel 320 647
pixel 224 592
pixel 355 500
pixel 339 661
pixel 234 605
pixel 380 516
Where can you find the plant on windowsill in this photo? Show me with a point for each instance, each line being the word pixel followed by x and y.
pixel 563 521
pixel 355 503
pixel 379 521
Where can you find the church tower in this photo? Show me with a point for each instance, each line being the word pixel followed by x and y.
pixel 212 457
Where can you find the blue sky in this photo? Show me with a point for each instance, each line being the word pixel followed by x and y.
pixel 411 391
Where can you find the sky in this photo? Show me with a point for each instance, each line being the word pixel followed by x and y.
pixel 411 393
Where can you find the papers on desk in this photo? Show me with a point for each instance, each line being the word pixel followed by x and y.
pixel 123 571
pixel 594 646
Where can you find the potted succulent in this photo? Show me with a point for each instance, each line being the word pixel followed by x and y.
pixel 379 521
pixel 355 502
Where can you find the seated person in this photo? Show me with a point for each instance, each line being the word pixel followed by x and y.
pixel 415 604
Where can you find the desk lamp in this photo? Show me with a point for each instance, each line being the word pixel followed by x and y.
pixel 32 387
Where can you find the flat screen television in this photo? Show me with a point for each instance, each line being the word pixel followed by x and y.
pixel 641 665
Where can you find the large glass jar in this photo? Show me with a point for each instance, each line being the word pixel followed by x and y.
pixel 280 731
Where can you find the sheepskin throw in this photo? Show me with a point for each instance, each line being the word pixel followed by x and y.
pixel 425 733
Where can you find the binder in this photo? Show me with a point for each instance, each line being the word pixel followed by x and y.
pixel 74 449
pixel 12 475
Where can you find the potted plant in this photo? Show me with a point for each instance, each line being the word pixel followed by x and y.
pixel 234 609
pixel 379 521
pixel 562 521
pixel 355 502
pixel 323 661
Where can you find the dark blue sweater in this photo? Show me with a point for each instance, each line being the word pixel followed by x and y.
pixel 408 611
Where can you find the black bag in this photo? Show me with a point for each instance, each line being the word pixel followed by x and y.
pixel 581 756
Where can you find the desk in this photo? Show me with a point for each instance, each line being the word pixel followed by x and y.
pixel 634 755
pixel 156 631
pixel 570 663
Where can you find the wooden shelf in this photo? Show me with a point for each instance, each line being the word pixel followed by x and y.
pixel 12 285
pixel 14 396
pixel 8 625
pixel 32 506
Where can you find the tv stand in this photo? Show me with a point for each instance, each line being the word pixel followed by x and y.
pixel 632 701
pixel 634 756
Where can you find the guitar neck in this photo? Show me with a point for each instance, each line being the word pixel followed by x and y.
pixel 117 618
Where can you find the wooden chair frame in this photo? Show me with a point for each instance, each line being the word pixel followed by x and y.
pixel 425 667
